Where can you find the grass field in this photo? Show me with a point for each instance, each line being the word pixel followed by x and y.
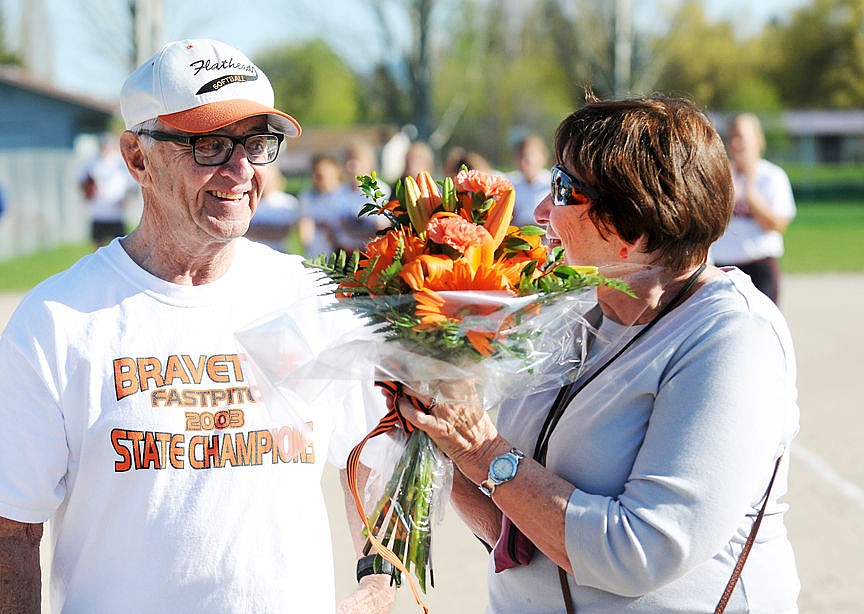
pixel 827 236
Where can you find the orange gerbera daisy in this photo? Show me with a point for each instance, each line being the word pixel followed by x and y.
pixel 446 303
pixel 434 309
pixel 384 248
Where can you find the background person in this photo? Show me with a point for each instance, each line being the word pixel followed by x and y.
pixel 764 206
pixel 531 177
pixel 355 232
pixel 418 157
pixel 655 471
pixel 132 421
pixel 323 205
pixel 106 186
pixel 278 212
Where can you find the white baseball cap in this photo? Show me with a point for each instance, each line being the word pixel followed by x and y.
pixel 199 86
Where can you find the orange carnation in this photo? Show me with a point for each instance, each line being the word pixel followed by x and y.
pixel 456 232
pixel 486 183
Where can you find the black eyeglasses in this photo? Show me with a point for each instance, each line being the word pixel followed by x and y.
pixel 217 149
pixel 567 190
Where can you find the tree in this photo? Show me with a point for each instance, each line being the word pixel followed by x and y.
pixel 596 47
pixel 7 57
pixel 402 83
pixel 312 83
pixel 497 77
pixel 703 60
pixel 817 60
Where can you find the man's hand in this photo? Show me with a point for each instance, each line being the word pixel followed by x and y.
pixel 374 595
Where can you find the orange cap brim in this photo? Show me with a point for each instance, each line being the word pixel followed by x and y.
pixel 215 115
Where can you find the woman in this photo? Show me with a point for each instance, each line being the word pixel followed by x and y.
pixel 659 464
pixel 764 207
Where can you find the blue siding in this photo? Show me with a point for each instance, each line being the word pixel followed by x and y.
pixel 32 120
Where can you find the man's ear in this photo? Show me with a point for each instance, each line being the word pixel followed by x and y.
pixel 133 154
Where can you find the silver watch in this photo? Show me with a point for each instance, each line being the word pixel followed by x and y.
pixel 502 469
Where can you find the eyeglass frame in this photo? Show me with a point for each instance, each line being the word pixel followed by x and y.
pixel 556 185
pixel 191 140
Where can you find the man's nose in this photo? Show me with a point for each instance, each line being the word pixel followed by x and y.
pixel 238 162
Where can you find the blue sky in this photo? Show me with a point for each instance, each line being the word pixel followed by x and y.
pixel 76 57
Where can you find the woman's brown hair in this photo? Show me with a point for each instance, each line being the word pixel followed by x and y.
pixel 660 170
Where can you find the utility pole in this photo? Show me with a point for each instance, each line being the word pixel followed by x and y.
pixel 35 44
pixel 149 28
pixel 623 47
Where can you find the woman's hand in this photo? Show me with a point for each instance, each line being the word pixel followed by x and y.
pixel 458 424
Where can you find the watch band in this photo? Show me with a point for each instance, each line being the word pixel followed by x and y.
pixel 368 566
pixel 487 487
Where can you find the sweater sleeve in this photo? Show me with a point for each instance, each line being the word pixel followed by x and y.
pixel 716 427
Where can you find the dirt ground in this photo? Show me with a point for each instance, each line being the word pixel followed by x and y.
pixel 826 496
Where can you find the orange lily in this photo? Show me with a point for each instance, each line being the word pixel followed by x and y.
pixel 499 216
pixel 418 271
pixel 430 195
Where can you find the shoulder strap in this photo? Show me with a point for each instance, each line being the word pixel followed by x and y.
pixel 569 392
pixel 736 573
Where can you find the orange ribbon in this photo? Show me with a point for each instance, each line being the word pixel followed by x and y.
pixel 392 420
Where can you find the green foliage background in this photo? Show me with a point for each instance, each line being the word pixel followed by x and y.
pixel 498 70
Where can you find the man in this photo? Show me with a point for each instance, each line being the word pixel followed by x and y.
pixel 531 178
pixel 323 205
pixel 133 419
pixel 764 206
pixel 106 186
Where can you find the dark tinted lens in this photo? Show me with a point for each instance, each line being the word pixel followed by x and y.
pixel 567 190
pixel 562 187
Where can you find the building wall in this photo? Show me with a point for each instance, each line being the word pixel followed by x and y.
pixel 29 119
pixel 44 207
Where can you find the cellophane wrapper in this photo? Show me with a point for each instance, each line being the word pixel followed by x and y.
pixel 537 343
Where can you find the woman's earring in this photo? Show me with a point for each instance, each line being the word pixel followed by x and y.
pixel 623 253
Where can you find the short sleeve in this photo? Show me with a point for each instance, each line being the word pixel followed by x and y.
pixel 33 450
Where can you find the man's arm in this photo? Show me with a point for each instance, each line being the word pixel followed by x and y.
pixel 20 574
pixel 374 594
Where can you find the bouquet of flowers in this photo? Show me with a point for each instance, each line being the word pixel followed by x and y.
pixel 453 291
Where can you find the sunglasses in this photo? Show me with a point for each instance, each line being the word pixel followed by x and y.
pixel 217 149
pixel 567 190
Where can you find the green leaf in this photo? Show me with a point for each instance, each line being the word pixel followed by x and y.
pixel 532 231
pixel 515 244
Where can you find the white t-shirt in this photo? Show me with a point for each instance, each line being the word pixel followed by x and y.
pixel 745 240
pixel 113 185
pixel 132 421
pixel 276 209
pixel 528 195
pixel 671 450
pixel 336 221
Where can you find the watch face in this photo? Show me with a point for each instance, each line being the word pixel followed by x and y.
pixel 503 467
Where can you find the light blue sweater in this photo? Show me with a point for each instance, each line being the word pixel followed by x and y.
pixel 671 450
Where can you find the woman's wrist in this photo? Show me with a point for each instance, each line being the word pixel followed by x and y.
pixel 474 463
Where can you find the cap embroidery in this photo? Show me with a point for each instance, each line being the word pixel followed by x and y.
pixel 215 84
pixel 199 65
